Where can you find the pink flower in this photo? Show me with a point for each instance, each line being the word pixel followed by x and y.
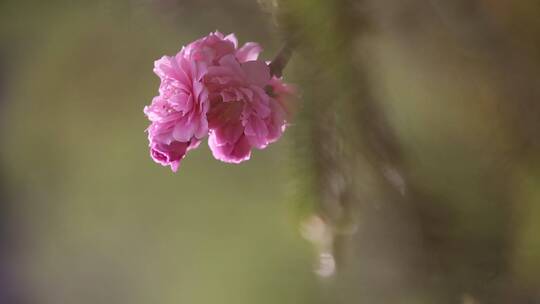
pixel 213 87
pixel 214 46
pixel 171 154
pixel 211 48
pixel 178 114
pixel 242 115
pixel 281 97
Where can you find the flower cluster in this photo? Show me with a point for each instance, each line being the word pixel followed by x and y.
pixel 214 87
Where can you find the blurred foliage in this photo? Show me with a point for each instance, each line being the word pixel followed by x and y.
pixel 421 122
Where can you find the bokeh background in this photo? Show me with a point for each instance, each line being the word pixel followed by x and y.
pixel 410 173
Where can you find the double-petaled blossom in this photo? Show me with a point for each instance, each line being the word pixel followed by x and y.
pixel 213 87
pixel 178 114
pixel 243 115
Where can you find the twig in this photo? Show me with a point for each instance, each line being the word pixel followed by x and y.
pixel 280 61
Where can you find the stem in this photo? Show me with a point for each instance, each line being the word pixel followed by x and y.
pixel 280 61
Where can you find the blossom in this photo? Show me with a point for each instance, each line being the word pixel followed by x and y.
pixel 178 114
pixel 211 48
pixel 214 87
pixel 171 154
pixel 243 114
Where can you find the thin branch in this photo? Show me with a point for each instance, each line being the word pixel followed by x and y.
pixel 280 61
